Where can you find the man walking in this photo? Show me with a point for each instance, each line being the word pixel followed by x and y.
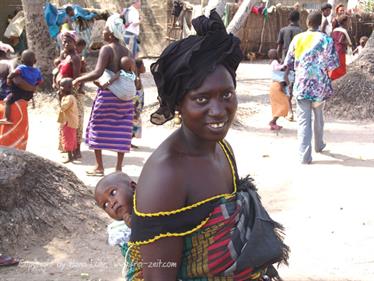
pixel 311 54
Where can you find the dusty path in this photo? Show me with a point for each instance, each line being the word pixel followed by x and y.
pixel 326 207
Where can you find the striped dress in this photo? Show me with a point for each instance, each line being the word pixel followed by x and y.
pixel 110 124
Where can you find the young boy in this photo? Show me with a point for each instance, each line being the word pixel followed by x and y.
pixel 68 118
pixel 30 74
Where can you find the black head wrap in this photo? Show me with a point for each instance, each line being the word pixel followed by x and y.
pixel 184 65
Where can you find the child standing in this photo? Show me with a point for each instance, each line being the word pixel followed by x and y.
pixel 278 90
pixel 30 74
pixel 138 101
pixel 68 118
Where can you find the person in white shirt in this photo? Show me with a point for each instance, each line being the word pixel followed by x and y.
pixel 132 25
pixel 326 26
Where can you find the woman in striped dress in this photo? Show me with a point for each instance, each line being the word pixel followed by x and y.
pixel 110 123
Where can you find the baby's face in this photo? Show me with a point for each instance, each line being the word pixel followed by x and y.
pixel 116 200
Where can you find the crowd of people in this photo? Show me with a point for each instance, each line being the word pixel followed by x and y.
pixel 189 207
pixel 303 66
pixel 69 76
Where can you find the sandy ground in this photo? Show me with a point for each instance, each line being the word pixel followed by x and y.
pixel 326 207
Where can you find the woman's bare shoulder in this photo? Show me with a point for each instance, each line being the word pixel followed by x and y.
pixel 160 186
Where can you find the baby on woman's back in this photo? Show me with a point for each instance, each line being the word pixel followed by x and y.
pixel 127 67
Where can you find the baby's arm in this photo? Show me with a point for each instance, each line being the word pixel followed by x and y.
pixel 12 75
pixel 111 81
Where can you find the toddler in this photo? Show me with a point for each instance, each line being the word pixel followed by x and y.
pixel 30 74
pixel 68 118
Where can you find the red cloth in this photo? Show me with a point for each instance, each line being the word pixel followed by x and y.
pixel 341 70
pixel 338 38
pixel 68 138
pixel 66 69
pixel 15 135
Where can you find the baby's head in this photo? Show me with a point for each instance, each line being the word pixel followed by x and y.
pixel 114 194
pixel 28 58
pixel 66 86
pixel 273 54
pixel 80 45
pixel 127 64
pixel 363 41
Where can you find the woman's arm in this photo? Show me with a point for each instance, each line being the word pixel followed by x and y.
pixel 161 259
pixel 160 189
pixel 76 63
pixel 102 62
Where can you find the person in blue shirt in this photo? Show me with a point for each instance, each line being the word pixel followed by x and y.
pixel 30 74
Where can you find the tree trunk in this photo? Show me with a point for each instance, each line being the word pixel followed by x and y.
pixel 39 40
pixel 240 16
pixel 40 200
pixel 354 93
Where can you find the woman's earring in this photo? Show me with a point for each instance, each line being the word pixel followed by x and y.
pixel 177 118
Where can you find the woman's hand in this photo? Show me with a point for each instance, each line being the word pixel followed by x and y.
pixel 76 83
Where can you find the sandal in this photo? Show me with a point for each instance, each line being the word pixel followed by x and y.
pixel 95 173
pixel 8 261
pixel 275 127
pixel 5 122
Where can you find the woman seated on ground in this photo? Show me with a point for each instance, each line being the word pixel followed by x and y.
pixel 190 210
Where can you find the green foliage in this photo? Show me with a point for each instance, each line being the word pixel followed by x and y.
pixel 367 5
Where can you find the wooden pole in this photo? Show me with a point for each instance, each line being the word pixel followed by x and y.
pixel 241 16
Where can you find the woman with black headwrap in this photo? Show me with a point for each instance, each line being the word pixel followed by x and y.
pixel 193 218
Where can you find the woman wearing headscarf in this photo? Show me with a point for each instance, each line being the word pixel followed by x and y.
pixel 193 218
pixel 15 135
pixel 110 124
pixel 69 67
